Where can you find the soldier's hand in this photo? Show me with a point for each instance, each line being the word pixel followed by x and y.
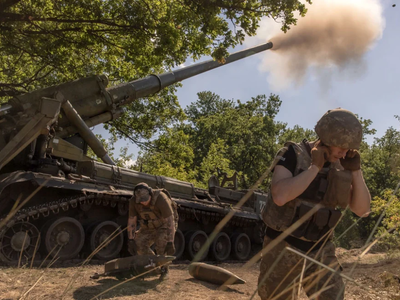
pixel 170 248
pixel 351 161
pixel 319 155
pixel 132 247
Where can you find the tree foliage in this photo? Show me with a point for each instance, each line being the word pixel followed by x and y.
pixel 388 232
pixel 49 42
pixel 44 43
pixel 381 162
pixel 248 131
pixel 222 136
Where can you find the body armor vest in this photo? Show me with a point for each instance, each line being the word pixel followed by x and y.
pixel 148 215
pixel 331 187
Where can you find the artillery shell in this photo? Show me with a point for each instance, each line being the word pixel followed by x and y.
pixel 213 274
pixel 134 264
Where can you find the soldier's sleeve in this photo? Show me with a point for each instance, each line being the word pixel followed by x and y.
pixel 164 206
pixel 289 160
pixel 132 210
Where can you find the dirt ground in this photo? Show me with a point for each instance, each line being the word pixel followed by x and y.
pixel 376 272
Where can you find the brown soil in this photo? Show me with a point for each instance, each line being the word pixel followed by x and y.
pixel 377 272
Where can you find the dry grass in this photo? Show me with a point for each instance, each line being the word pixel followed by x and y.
pixel 374 270
pixel 179 285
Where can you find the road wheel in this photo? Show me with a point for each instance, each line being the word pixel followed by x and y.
pixel 99 236
pixel 221 247
pixel 179 243
pixel 64 238
pixel 241 246
pixel 194 243
pixel 19 241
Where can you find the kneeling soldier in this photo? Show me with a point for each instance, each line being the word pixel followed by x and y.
pixel 154 210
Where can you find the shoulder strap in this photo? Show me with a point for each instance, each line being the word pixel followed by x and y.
pixel 303 155
pixel 174 207
pixel 157 193
pixel 153 202
pixel 154 197
pixel 307 146
pixel 166 193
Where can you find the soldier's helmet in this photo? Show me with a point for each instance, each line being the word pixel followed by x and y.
pixel 142 191
pixel 340 128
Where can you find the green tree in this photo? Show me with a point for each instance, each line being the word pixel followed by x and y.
pixel 43 43
pixel 215 161
pixel 381 162
pixel 389 205
pixel 297 134
pixel 223 136
pixel 46 42
pixel 248 131
pixel 170 155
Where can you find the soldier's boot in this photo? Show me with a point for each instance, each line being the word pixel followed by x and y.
pixel 164 273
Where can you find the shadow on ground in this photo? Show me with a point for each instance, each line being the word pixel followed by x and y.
pixel 212 286
pixel 130 288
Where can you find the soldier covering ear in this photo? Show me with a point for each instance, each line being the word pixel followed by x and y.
pixel 326 172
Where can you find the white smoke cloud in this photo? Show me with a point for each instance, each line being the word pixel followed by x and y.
pixel 332 38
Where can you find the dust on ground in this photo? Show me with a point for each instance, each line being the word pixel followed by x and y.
pixel 377 272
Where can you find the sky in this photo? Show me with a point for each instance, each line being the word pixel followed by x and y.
pixel 368 85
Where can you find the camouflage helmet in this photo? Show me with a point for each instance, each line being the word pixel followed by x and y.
pixel 340 128
pixel 143 185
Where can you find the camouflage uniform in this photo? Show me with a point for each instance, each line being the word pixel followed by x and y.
pixel 152 230
pixel 146 237
pixel 331 188
pixel 277 281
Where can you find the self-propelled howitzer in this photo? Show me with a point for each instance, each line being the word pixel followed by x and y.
pixel 53 196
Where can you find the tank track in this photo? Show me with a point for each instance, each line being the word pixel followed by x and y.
pixel 64 204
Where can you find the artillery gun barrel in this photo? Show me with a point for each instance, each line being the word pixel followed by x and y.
pixel 123 94
pixel 90 98
pixel 127 92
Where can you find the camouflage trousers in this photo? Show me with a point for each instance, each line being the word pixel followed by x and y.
pixel 146 237
pixel 290 270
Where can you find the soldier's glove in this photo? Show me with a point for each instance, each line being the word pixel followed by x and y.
pixel 351 161
pixel 319 155
pixel 132 247
pixel 170 248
